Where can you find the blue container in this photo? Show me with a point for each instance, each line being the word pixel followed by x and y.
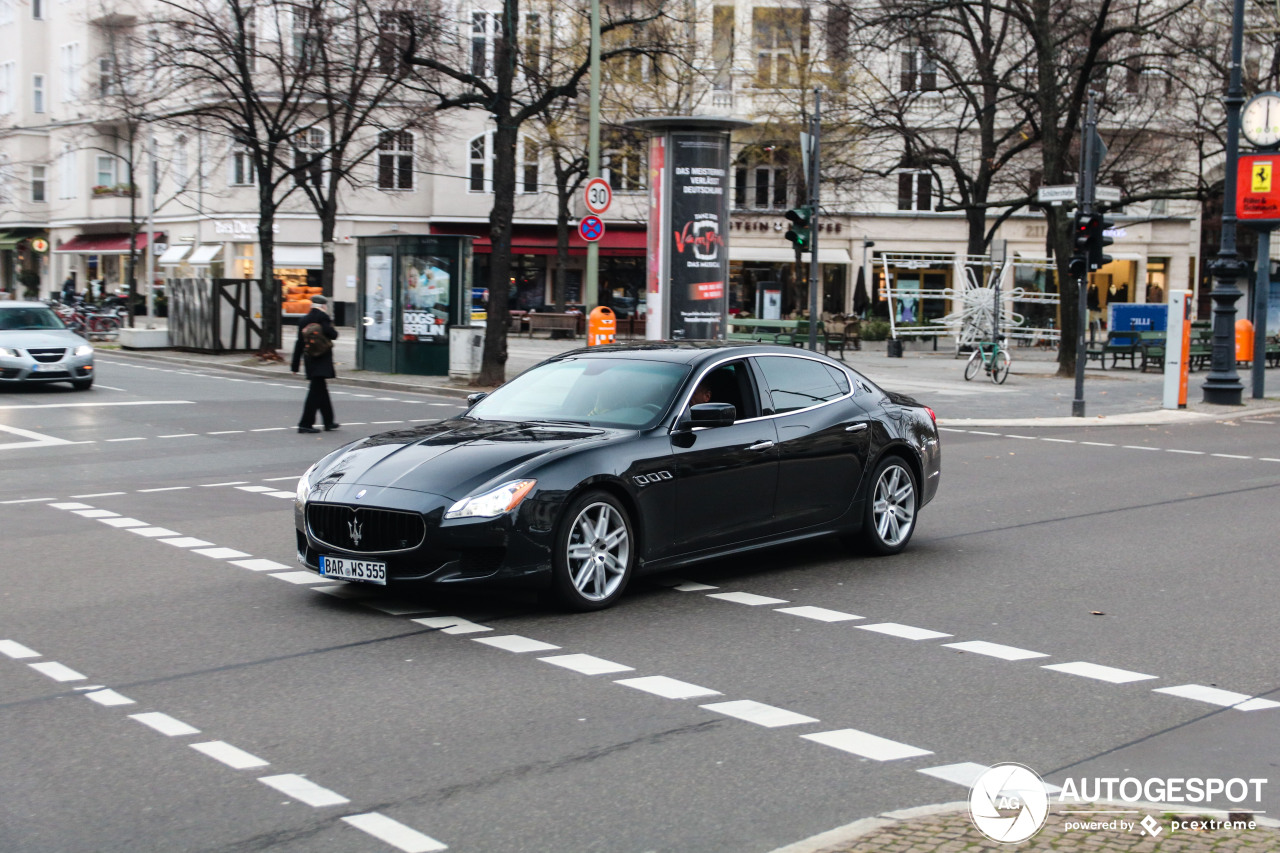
pixel 1125 316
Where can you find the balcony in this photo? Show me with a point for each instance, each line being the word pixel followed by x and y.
pixel 116 191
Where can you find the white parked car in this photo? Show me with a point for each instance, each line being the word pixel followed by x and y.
pixel 36 346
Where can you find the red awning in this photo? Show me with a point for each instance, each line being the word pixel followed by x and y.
pixel 105 244
pixel 534 240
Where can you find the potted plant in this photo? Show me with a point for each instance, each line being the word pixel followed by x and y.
pixel 30 281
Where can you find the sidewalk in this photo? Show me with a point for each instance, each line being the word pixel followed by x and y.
pixel 1033 395
pixel 947 828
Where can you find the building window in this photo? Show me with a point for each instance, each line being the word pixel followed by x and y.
pixel 7 11
pixel 39 183
pixel 918 70
pixel 722 47
pixel 308 160
pixel 180 168
pixel 67 168
pixel 770 188
pixel 37 10
pixel 532 44
pixel 623 162
pixel 479 163
pixel 529 167
pixel 739 187
pixel 486 32
pixel 8 99
pixel 781 39
pixel 395 160
pixel 242 172
pixel 106 77
pixel 304 33
pixel 69 70
pixel 106 172
pixel 915 190
pixel 37 93
pixel 394 31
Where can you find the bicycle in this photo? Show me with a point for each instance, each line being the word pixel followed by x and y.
pixel 84 319
pixel 992 357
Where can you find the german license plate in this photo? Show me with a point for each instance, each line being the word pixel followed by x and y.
pixel 354 570
pixel 40 367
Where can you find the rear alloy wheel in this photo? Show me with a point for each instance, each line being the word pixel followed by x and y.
pixel 595 552
pixel 891 508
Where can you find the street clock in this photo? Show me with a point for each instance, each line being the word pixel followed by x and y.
pixel 1260 120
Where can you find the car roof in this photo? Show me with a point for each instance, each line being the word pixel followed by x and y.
pixel 23 304
pixel 681 352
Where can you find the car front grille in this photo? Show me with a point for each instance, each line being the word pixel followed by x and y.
pixel 365 530
pixel 48 356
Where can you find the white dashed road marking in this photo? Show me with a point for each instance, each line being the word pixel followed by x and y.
pixel 514 643
pixel 303 790
pixel 186 542
pixel 667 688
pixel 394 833
pixel 867 745
pixel 16 651
pixel 821 614
pixel 259 565
pixel 748 598
pixel 153 532
pixel 221 553
pixel 906 632
pixel 165 724
pixel 232 756
pixel 690 586
pixel 109 698
pixel 56 671
pixel 759 713
pixel 1214 696
pixel 1101 673
pixel 995 650
pixel 452 625
pixel 585 664
pixel 297 577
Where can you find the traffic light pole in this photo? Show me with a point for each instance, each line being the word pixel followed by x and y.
pixel 814 176
pixel 1085 198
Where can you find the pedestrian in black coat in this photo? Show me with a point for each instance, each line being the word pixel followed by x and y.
pixel 319 368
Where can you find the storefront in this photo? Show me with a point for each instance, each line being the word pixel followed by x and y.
pixel 24 264
pixel 101 261
pixel 764 281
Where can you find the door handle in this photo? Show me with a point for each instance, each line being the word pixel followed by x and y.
pixel 761 445
pixel 858 427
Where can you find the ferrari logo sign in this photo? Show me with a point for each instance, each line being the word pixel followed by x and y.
pixel 1257 194
pixel 1262 177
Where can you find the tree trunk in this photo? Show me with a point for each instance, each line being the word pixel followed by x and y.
pixel 271 296
pixel 494 363
pixel 562 246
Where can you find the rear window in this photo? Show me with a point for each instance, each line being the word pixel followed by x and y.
pixel 798 383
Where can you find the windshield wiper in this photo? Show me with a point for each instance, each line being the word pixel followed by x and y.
pixel 559 421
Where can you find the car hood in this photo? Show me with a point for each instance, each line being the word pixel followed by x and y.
pixel 452 457
pixel 40 338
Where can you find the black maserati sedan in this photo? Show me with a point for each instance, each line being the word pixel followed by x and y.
pixel 602 463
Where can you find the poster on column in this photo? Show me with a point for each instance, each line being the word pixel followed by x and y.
pixel 699 164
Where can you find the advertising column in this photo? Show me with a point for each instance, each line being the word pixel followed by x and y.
pixel 688 254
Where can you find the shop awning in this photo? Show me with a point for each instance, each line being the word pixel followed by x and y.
pixel 204 255
pixel 173 255
pixel 298 257
pixel 103 244
pixel 9 240
pixel 784 255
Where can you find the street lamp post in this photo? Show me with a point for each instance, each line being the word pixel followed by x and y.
pixel 1223 385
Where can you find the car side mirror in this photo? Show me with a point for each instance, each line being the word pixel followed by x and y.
pixel 711 415
pixel 472 399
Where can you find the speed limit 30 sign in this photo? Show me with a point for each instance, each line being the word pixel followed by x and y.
pixel 598 195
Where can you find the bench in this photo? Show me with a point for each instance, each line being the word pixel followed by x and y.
pixel 785 333
pixel 553 323
pixel 1119 344
pixel 1153 349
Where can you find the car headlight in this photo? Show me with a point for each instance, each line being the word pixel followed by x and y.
pixel 304 485
pixel 492 503
pixel 11 352
pixel 84 349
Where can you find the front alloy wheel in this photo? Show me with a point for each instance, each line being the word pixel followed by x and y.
pixel 594 553
pixel 891 511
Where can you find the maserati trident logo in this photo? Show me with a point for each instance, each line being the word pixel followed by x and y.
pixel 355 530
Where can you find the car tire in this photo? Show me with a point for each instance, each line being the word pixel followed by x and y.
pixel 82 384
pixel 890 509
pixel 595 552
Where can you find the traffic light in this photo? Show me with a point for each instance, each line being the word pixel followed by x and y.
pixel 1080 254
pixel 799 233
pixel 1098 240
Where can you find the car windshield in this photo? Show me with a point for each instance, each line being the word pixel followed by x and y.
pixel 608 392
pixel 28 318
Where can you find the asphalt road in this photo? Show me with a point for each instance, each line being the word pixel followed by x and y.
pixel 202 695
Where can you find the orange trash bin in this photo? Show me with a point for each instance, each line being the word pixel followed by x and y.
pixel 602 327
pixel 1244 340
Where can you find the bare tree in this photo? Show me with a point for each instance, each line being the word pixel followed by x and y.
pixel 525 76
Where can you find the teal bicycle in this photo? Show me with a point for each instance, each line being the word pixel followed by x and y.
pixel 992 357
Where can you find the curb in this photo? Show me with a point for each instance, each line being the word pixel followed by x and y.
pixel 851 832
pixel 355 381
